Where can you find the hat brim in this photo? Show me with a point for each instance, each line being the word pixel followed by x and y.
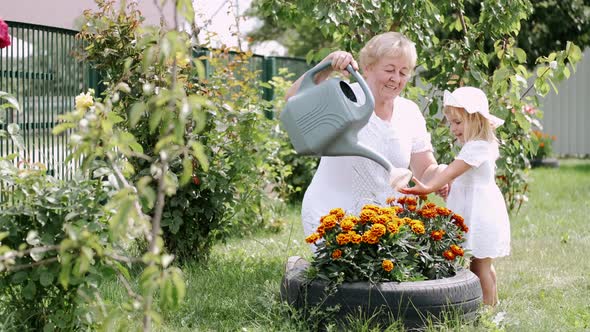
pixel 449 100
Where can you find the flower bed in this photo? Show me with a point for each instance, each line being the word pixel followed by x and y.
pixel 410 239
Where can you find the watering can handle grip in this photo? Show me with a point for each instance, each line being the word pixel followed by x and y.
pixel 308 81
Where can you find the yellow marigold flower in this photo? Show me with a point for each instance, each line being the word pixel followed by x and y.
pixel 347 224
pixel 457 250
pixel 84 101
pixel 312 238
pixel 418 228
pixel 448 255
pixel 387 265
pixel 342 238
pixel 378 230
pixel 338 212
pixel 330 222
pixel 355 238
pixel 398 209
pixel 336 254
pixel 393 227
pixel 367 215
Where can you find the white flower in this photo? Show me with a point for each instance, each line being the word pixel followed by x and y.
pixel 84 100
pixel 553 64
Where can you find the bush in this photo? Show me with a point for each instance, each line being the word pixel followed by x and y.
pixel 52 234
pixel 543 147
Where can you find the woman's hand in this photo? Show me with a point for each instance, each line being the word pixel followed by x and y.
pixel 419 189
pixel 340 60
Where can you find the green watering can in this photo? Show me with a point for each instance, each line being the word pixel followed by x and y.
pixel 324 120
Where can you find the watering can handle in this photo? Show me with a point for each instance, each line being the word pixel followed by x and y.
pixel 308 81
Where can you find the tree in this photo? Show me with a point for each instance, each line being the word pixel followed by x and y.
pixel 459 43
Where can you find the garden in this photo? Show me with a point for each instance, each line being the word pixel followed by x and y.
pixel 186 205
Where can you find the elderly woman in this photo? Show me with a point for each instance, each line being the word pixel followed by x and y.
pixel 396 129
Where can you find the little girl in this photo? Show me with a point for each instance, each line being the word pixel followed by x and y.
pixel 474 193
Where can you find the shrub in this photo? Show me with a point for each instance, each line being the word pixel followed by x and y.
pixel 52 237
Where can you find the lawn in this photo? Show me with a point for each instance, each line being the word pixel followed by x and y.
pixel 544 285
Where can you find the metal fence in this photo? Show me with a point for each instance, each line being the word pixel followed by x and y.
pixel 40 70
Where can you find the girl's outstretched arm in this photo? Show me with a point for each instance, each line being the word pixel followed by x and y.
pixel 455 169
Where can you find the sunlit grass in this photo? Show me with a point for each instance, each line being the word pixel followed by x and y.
pixel 544 285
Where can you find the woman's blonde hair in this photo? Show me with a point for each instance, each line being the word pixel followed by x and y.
pixel 388 44
pixel 476 127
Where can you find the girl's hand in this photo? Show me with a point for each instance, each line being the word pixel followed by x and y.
pixel 419 189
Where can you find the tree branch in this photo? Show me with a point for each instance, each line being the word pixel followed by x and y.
pixel 15 268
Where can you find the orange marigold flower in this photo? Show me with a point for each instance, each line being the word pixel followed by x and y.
pixel 423 197
pixel 312 238
pixel 393 227
pixel 373 207
pixel 390 200
pixel 458 218
pixel 330 222
pixel 437 235
pixel 449 255
pixel 367 215
pixel 342 238
pixel 411 207
pixel 428 213
pixel 443 211
pixel 321 230
pixel 387 265
pixel 457 250
pixel 338 212
pixel 429 205
pixel 383 219
pixel 378 230
pixel 336 254
pixel 370 238
pixel 347 224
pixel 398 209
pixel 355 238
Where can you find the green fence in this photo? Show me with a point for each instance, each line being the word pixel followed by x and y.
pixel 41 71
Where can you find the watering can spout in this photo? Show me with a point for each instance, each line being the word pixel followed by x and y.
pixel 344 146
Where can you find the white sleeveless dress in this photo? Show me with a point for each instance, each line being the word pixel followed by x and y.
pixel 351 182
pixel 475 196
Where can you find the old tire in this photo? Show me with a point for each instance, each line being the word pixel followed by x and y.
pixel 411 302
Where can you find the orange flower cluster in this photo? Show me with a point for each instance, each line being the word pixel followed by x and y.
pixel 392 237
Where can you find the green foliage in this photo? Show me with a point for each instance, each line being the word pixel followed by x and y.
pixel 53 238
pixel 458 43
pixel 219 171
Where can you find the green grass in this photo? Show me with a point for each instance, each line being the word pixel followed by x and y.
pixel 544 285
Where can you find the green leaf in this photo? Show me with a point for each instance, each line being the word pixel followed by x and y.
pixel 12 101
pixel 520 55
pixel 46 278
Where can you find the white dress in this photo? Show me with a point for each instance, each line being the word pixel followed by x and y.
pixel 475 196
pixel 351 182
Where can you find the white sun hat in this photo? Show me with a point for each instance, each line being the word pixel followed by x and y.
pixel 473 100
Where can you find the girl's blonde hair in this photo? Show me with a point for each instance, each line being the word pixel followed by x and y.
pixel 476 127
pixel 388 44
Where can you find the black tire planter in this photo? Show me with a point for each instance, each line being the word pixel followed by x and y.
pixel 411 302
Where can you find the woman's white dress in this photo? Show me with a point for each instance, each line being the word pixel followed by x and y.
pixel 351 182
pixel 475 196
